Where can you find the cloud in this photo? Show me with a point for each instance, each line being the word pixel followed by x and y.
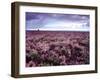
pixel 55 21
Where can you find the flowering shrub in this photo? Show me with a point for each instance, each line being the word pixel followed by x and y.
pixel 55 48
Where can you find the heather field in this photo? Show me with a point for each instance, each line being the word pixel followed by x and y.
pixel 55 48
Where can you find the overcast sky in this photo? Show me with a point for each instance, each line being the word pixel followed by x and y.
pixel 54 21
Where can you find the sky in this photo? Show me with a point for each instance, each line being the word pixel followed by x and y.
pixel 55 21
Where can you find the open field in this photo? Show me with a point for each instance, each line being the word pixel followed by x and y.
pixel 55 48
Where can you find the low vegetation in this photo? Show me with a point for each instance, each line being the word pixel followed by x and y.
pixel 55 48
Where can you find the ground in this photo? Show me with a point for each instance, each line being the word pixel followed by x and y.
pixel 55 48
